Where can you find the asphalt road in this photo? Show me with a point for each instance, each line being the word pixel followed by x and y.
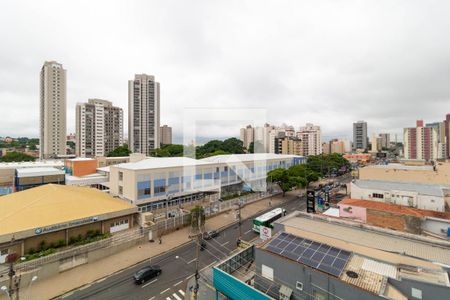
pixel 171 284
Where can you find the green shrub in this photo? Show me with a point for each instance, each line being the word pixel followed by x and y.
pixel 42 245
pixel 60 243
pixel 31 251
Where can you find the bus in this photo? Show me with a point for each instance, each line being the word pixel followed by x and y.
pixel 268 218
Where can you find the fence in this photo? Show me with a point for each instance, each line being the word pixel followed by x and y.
pixel 161 227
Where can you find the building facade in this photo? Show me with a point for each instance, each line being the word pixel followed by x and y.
pixel 99 128
pixel 311 139
pixel 247 136
pixel 143 114
pixel 288 145
pixel 151 183
pixel 385 140
pixel 165 132
pixel 52 140
pixel 360 139
pixel 420 142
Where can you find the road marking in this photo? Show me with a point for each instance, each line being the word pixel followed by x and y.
pixel 176 296
pixel 225 243
pixel 247 231
pixel 164 291
pixel 191 261
pixel 148 283
pixel 181 292
pixel 178 283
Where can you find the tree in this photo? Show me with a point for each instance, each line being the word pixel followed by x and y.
pixel 17 157
pixel 286 182
pixel 120 151
pixel 233 145
pixel 251 148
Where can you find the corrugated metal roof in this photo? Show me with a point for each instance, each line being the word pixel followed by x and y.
pixel 380 268
pixel 161 162
pixel 230 158
pixel 424 189
pixel 370 281
pixel 31 172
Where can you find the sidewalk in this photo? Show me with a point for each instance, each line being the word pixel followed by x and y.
pixel 88 273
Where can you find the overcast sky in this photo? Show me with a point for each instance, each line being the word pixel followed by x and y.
pixel 326 62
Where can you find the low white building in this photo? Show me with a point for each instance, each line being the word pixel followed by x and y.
pixel 421 196
pixel 153 183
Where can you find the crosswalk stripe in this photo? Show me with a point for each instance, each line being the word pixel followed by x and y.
pixel 176 296
pixel 181 292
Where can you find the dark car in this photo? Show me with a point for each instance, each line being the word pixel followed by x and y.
pixel 202 245
pixel 210 234
pixel 146 273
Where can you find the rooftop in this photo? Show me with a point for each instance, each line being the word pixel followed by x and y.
pixel 424 189
pixel 402 167
pixel 32 164
pixel 232 158
pixel 396 208
pixel 53 204
pixel 39 171
pixel 354 234
pixel 80 159
pixel 161 162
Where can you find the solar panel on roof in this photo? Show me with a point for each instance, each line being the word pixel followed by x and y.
pixel 323 257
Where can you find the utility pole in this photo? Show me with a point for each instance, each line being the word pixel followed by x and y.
pixel 197 224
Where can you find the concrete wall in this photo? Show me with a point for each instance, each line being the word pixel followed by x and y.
pixel 436 226
pixel 385 219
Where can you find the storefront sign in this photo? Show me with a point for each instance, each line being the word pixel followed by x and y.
pixel 42 230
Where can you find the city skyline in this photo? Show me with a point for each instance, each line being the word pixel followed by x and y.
pixel 380 84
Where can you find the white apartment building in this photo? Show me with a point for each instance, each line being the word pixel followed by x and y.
pixel 421 196
pixel 143 114
pixel 247 136
pixel 311 139
pixel 52 140
pixel 99 128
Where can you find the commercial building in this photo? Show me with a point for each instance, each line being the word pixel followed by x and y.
pixel 359 158
pixel 315 257
pixel 397 217
pixel 311 139
pixel 152 183
pixel 52 142
pixel 143 114
pixel 52 213
pixel 421 142
pixel 417 195
pixel 360 139
pixel 437 174
pixel 326 258
pixel 165 132
pixel 27 178
pixel 99 128
pixel 80 166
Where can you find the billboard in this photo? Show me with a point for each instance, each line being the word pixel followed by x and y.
pixel 310 201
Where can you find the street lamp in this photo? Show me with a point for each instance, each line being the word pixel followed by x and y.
pixel 33 279
pixel 5 290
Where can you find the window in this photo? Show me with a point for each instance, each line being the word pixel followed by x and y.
pixel 299 286
pixel 375 195
pixel 267 272
pixel 120 190
pixel 120 176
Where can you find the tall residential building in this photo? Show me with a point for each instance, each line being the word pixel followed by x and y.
pixel 288 145
pixel 376 142
pixel 247 136
pixel 447 135
pixel 311 139
pixel 99 128
pixel 143 114
pixel 52 110
pixel 385 140
pixel 165 132
pixel 360 140
pixel 420 142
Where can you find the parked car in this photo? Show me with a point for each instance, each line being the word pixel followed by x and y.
pixel 210 234
pixel 146 273
pixel 202 245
